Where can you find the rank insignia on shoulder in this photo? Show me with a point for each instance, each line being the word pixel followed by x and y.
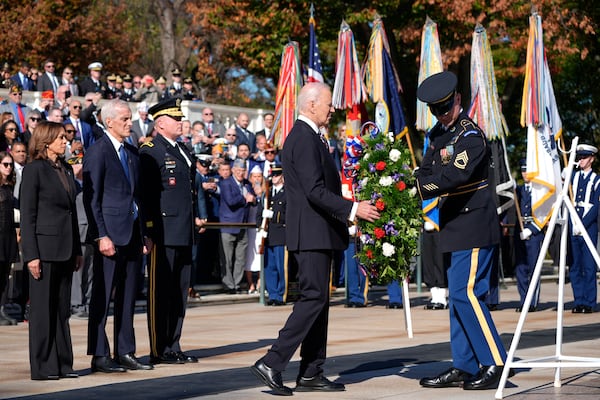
pixel 461 160
pixel 148 144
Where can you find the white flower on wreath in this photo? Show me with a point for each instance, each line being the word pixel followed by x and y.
pixel 395 155
pixel 364 181
pixel 386 181
pixel 388 249
pixel 366 156
pixel 413 191
pixel 391 136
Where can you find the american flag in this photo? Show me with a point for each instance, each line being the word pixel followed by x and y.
pixel 315 70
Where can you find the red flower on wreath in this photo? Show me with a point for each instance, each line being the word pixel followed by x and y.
pixel 379 233
pixel 380 205
pixel 380 166
pixel 369 254
pixel 401 185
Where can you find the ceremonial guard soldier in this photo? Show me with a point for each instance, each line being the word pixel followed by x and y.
pixel 528 243
pixel 468 236
pixel 275 274
pixel 586 189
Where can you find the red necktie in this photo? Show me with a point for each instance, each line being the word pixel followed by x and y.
pixel 21 117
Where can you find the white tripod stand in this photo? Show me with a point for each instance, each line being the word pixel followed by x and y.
pixel 558 360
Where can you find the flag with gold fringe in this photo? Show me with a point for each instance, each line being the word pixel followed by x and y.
pixel 539 114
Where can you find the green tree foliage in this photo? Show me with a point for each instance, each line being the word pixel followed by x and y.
pixel 72 32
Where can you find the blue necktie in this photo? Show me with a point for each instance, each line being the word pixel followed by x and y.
pixel 124 162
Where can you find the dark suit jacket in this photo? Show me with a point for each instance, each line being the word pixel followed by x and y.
pixel 233 206
pixel 241 138
pixel 87 135
pixel 136 130
pixel 27 85
pixel 316 213
pixel 49 227
pixel 88 85
pixel 107 193
pixel 43 83
pixel 168 192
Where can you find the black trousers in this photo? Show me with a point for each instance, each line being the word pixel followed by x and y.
pixel 50 349
pixel 168 283
pixel 307 324
pixel 119 272
pixel 434 271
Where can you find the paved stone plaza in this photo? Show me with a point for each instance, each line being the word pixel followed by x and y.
pixel 368 351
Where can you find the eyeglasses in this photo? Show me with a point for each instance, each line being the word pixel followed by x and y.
pixel 49 66
pixel 137 82
pixel 269 151
pixel 77 107
pixel 34 119
pixel 11 129
pixel 17 94
pixel 89 100
pixel 70 130
pixel 68 73
pixel 7 164
pixel 208 114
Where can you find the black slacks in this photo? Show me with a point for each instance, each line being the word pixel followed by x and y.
pixel 307 324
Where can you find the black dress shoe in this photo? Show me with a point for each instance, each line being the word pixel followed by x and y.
pixel 46 378
pixel 270 302
pixel 354 304
pixel 271 378
pixel 130 361
pixel 451 378
pixel 278 303
pixel 70 375
pixel 531 309
pixel 587 310
pixel 394 306
pixel 487 378
pixel 166 358
pixel 105 364
pixel 318 383
pixel 577 309
pixel 186 358
pixel 435 306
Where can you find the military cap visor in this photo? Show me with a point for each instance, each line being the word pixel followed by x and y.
pixel 438 92
pixel 276 171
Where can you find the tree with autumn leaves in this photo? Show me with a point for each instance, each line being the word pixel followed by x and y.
pixel 212 38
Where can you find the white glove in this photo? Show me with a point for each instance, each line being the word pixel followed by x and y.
pixel 352 230
pixel 260 234
pixel 428 226
pixel 576 231
pixel 525 234
pixel 267 214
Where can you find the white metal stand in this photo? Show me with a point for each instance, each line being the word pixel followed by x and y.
pixel 558 360
pixel 407 313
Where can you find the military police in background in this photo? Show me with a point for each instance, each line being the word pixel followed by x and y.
pixel 468 236
pixel 586 189
pixel 168 192
pixel 528 243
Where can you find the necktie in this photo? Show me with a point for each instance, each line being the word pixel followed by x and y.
pixel 21 117
pixel 124 161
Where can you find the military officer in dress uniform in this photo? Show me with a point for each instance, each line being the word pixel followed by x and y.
pixel 176 87
pixel 528 243
pixel 457 171
pixel 275 273
pixel 168 174
pixel 128 91
pixel 586 189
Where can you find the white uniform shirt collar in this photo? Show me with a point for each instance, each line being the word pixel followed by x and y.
pixel 314 126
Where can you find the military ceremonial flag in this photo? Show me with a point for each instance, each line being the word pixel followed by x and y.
pixel 383 85
pixel 430 63
pixel 315 69
pixel 485 111
pixel 288 88
pixel 539 114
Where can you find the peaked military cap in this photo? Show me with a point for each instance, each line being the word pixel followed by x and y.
pixel 438 92
pixel 586 150
pixel 161 79
pixel 127 78
pixel 276 170
pixel 95 66
pixel 112 77
pixel 176 71
pixel 188 80
pixel 170 107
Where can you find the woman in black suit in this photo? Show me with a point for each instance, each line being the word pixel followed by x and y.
pixel 51 251
pixel 8 234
